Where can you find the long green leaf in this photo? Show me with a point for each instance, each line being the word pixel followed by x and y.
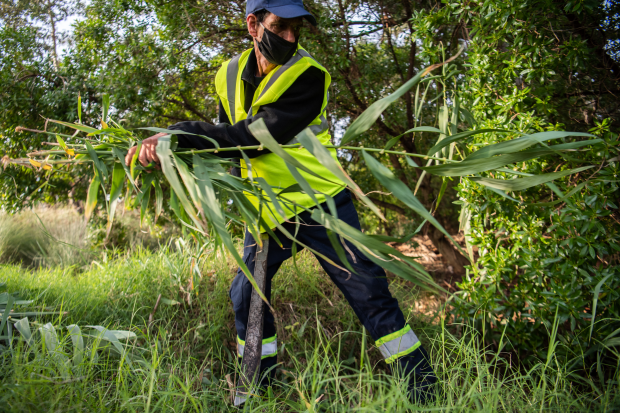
pixel 272 196
pixel 243 201
pixel 105 106
pixel 262 134
pixel 395 139
pixel 78 344
pixel 6 312
pixel 565 198
pixel 314 146
pixel 159 199
pixel 442 120
pixel 53 347
pixel 165 158
pixel 383 255
pixel 134 162
pixel 520 184
pixel 305 186
pixel 342 256
pixel 91 197
pixel 402 192
pixel 502 193
pixel 474 166
pixel 77 126
pixel 23 326
pixel 597 292
pixel 442 190
pixel 120 155
pixel 100 167
pixel 445 142
pixel 118 175
pixel 188 180
pixel 180 132
pixel 79 108
pixel 213 211
pixel 109 336
pixel 518 144
pixel 145 202
pixel 290 236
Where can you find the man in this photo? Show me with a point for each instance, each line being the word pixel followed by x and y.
pixel 279 82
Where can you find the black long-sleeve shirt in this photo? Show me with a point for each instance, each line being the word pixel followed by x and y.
pixel 296 108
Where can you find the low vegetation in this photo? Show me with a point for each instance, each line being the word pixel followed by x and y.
pixel 181 355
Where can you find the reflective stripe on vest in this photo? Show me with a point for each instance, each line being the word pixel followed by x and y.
pixel 270 347
pixel 231 84
pixel 269 166
pixel 398 344
pixel 234 66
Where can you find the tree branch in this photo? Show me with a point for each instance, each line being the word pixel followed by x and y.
pixel 187 105
pixel 608 63
pixel 388 205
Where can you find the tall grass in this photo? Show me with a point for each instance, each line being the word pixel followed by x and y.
pixel 60 236
pixel 44 236
pixel 328 363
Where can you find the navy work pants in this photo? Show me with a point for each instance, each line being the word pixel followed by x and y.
pixel 367 291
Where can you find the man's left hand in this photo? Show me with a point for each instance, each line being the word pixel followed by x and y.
pixel 148 151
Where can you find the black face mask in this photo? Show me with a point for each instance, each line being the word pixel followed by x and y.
pixel 275 49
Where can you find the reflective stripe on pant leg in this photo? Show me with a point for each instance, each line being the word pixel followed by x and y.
pixel 398 344
pixel 270 347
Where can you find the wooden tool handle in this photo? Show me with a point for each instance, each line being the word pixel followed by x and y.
pixel 250 366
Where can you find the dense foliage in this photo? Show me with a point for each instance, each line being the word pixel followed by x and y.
pixel 534 69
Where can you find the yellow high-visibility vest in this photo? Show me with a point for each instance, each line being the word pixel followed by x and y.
pixel 270 166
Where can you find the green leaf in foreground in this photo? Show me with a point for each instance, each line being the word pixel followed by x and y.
pixel 395 139
pixel 78 343
pixel 108 335
pixel 473 166
pixel 262 134
pixel 212 209
pixel 447 141
pixel 314 146
pixel 523 142
pixel 105 107
pixel 118 178
pixel 165 158
pixel 382 254
pixel 159 199
pixel 23 326
pixel 402 192
pixel 91 198
pixel 100 167
pixel 6 311
pixel 520 184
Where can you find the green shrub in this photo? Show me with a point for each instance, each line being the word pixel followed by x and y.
pixel 535 260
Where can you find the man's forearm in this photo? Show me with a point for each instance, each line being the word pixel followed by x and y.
pixel 225 135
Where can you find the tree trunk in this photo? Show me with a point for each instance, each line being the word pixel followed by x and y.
pixel 445 247
pixel 54 42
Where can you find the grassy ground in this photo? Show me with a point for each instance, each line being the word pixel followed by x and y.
pixel 184 359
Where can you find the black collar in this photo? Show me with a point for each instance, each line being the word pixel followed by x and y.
pixel 249 72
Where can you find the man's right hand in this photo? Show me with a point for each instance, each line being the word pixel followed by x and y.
pixel 148 152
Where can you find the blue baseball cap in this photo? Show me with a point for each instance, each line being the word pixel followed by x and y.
pixel 287 9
